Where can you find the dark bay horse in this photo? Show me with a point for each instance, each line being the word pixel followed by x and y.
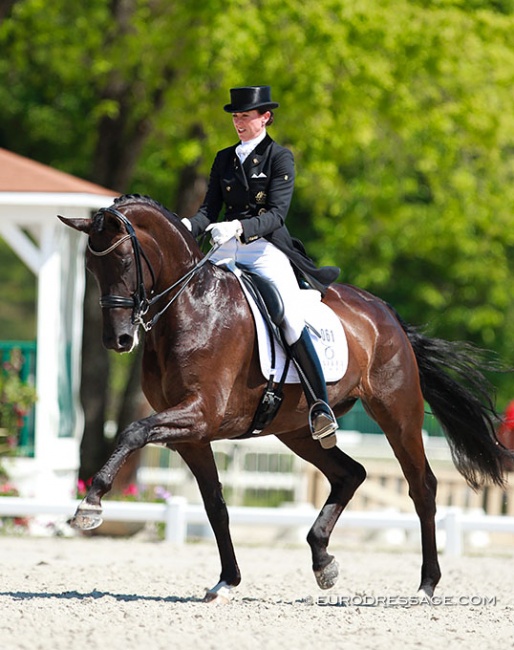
pixel 202 376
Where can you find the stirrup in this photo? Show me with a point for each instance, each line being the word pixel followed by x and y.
pixel 322 422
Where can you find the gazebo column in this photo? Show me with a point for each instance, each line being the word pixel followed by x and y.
pixel 48 332
pixel 57 260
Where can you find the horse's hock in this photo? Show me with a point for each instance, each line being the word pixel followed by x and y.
pixel 385 487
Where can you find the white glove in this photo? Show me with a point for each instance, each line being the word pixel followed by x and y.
pixel 187 224
pixel 225 230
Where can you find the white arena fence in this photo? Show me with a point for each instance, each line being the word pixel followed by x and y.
pixel 264 473
pixel 176 514
pixel 260 473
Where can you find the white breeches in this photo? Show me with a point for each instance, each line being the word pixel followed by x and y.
pixel 266 260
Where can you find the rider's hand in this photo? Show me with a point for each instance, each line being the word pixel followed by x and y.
pixel 225 230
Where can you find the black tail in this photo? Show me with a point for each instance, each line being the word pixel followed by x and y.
pixel 462 399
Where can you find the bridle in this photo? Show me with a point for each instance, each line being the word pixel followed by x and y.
pixel 139 302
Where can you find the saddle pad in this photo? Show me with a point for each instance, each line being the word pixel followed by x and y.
pixel 325 328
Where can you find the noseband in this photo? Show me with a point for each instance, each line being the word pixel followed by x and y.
pixel 139 301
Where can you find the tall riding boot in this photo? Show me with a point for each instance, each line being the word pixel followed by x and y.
pixel 322 421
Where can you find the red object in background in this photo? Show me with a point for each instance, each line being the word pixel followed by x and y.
pixel 508 417
pixel 506 431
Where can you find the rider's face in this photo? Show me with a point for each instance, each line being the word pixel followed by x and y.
pixel 249 124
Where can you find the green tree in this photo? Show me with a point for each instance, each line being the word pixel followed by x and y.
pixel 403 145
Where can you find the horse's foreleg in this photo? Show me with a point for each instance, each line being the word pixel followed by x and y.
pixel 345 475
pixel 200 461
pixel 89 511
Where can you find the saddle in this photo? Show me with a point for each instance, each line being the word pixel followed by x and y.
pixel 271 307
pixel 267 307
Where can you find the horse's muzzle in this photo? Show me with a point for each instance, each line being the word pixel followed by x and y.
pixel 122 339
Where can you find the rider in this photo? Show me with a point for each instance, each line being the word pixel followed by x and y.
pixel 254 182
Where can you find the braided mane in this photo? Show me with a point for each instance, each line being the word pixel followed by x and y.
pixel 147 200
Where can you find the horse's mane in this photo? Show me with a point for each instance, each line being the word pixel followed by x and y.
pixel 147 200
pixel 138 200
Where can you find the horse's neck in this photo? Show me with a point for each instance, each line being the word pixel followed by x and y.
pixel 177 268
pixel 179 254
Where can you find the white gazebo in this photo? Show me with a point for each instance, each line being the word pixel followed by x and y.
pixel 31 197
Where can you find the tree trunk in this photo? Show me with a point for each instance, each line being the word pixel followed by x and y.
pixel 94 385
pixel 120 139
pixel 134 406
pixel 5 8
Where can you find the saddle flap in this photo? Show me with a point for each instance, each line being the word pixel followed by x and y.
pixel 325 328
pixel 269 294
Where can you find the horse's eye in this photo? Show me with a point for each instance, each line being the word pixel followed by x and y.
pixel 126 262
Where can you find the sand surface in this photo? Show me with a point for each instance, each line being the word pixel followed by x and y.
pixel 85 593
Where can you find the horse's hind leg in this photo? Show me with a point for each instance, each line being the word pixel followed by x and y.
pixel 345 475
pixel 403 431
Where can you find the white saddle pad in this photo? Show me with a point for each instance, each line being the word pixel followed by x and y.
pixel 325 328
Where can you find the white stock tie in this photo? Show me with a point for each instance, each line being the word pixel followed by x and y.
pixel 243 150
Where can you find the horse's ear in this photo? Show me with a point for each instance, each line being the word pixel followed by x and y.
pixel 110 222
pixel 83 225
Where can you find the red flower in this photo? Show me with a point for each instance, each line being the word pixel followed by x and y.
pixel 131 491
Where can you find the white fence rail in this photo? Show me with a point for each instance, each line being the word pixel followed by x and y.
pixel 177 513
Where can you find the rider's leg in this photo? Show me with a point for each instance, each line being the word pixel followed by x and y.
pixel 266 260
pixel 322 420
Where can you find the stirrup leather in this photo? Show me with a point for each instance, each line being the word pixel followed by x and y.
pixel 322 421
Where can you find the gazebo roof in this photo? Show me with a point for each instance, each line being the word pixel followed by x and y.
pixel 19 174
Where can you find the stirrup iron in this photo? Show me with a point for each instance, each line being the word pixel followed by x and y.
pixel 322 421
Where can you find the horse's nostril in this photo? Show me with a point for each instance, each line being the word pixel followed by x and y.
pixel 125 342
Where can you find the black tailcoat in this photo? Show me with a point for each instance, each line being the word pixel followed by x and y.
pixel 259 193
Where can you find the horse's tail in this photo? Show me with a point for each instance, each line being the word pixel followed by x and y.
pixel 461 398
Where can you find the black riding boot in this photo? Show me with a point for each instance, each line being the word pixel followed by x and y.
pixel 322 421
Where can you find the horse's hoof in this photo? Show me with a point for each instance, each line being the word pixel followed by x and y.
pixel 86 519
pixel 220 594
pixel 426 591
pixel 327 577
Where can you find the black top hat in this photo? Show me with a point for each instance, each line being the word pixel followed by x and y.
pixel 249 97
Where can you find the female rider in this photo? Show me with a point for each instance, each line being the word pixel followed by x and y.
pixel 253 181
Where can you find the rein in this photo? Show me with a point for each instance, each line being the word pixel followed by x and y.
pixel 139 302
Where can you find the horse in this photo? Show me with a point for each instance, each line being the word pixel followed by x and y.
pixel 201 375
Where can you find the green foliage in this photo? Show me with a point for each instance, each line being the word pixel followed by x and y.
pixel 17 297
pixel 399 114
pixel 16 398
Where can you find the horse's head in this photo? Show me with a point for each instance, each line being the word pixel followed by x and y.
pixel 125 259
